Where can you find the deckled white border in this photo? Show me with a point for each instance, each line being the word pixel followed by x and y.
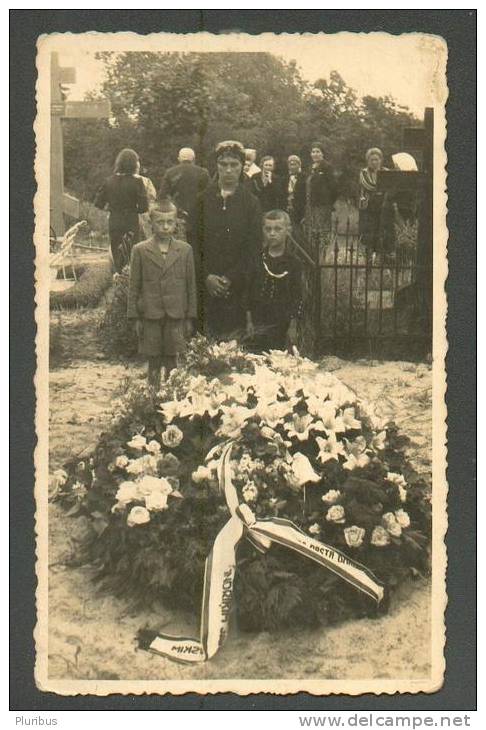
pixel 436 49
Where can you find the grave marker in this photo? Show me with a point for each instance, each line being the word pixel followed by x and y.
pixel 60 202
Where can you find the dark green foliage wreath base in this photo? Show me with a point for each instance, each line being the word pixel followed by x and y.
pixel 87 290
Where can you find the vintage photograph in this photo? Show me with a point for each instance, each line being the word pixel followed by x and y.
pixel 241 251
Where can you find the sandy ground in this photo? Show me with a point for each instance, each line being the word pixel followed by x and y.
pixel 91 636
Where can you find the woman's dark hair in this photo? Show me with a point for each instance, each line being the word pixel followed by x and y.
pixel 265 158
pixel 230 148
pixel 319 146
pixel 126 162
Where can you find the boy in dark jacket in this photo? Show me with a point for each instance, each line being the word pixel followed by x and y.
pixel 162 292
pixel 274 295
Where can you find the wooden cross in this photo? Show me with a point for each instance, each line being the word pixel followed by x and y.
pixel 60 202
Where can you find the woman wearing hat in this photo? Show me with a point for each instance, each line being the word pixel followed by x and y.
pixel 321 194
pixel 226 237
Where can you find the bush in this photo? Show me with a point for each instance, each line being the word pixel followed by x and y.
pixel 87 290
pixel 118 337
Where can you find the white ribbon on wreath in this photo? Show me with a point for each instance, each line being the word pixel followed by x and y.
pixel 221 567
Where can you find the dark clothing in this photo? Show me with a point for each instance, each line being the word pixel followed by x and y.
pixel 370 211
pixel 126 197
pixel 274 297
pixel 294 191
pixel 162 337
pixel 226 237
pixel 321 194
pixel 162 286
pixel 322 186
pixel 270 195
pixel 183 183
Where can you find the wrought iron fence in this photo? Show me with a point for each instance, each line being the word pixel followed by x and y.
pixel 360 303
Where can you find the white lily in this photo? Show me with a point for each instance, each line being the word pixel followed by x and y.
pixel 301 426
pixel 302 471
pixel 329 448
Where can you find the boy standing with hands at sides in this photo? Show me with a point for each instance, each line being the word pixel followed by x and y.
pixel 274 296
pixel 162 293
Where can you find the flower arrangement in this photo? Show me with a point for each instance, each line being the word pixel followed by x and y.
pixel 305 448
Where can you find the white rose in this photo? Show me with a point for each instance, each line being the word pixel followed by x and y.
pixel 388 519
pixel 391 524
pixel 202 473
pixel 396 478
pixel 331 496
pixel 138 442
pixel 156 501
pixel 121 461
pixel 267 432
pixel 145 463
pixel 403 518
pixel 354 536
pixel 380 537
pixel 250 492
pixel 399 480
pixel 336 514
pixel 127 492
pixel 314 529
pixel 153 485
pixel 138 516
pixel 172 437
pixel 153 446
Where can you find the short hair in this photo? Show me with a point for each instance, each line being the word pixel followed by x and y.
pixel 373 151
pixel 265 158
pixel 186 154
pixel 165 205
pixel 277 215
pixel 230 148
pixel 294 158
pixel 127 162
pixel 250 154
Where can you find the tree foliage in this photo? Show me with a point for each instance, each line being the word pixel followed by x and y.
pixel 162 101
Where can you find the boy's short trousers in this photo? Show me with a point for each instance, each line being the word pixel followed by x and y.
pixel 162 337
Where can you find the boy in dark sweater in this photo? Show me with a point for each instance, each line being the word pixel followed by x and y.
pixel 274 297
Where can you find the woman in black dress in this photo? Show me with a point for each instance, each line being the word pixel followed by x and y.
pixel 274 300
pixel 321 194
pixel 225 233
pixel 125 195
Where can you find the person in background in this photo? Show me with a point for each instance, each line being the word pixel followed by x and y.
pixel 124 194
pixel 162 293
pixel 183 182
pixel 226 237
pixel 151 198
pixel 250 167
pixel 266 186
pixel 274 295
pixel 321 194
pixel 371 202
pixel 295 190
